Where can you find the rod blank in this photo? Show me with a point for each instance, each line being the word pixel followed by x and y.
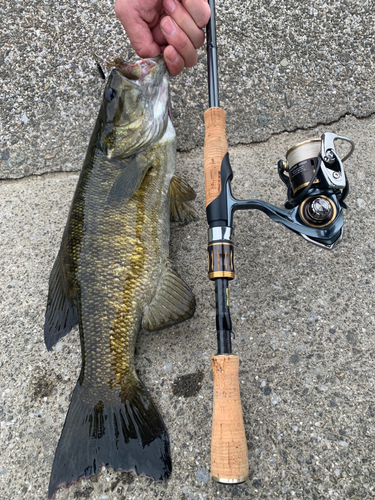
pixel 213 78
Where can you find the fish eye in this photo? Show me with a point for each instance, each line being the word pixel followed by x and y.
pixel 109 94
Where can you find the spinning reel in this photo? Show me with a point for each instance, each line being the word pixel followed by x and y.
pixel 316 189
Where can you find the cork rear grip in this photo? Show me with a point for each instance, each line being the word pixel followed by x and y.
pixel 215 148
pixel 229 455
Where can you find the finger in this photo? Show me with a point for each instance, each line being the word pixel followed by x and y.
pixel 175 63
pixel 184 20
pixel 158 35
pixel 176 37
pixel 199 10
pixel 138 31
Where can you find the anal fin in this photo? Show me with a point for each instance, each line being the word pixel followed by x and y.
pixel 174 302
pixel 61 311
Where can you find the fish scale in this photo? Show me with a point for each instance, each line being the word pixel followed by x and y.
pixel 109 238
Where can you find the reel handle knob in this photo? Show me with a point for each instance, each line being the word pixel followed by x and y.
pixel 229 455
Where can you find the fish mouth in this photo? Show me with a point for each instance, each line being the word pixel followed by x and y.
pixel 152 73
pixel 141 71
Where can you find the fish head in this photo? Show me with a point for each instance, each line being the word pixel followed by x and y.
pixel 134 113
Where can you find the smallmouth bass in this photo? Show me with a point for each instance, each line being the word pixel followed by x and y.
pixel 112 275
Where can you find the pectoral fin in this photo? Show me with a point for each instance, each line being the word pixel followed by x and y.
pixel 174 302
pixel 128 182
pixel 180 193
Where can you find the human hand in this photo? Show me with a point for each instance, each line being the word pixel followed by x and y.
pixel 170 26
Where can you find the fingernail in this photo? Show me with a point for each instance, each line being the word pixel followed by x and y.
pixel 169 6
pixel 168 26
pixel 172 55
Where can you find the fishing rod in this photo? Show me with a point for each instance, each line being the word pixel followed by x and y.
pixel 317 186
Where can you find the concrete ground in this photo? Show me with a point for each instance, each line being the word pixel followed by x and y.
pixel 304 318
pixel 304 321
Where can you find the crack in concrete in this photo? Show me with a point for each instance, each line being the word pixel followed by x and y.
pixel 299 129
pixel 66 174
pixel 45 175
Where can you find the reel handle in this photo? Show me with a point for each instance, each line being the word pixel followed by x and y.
pixel 215 148
pixel 229 455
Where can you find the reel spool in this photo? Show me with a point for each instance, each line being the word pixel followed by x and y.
pixel 302 161
pixel 314 163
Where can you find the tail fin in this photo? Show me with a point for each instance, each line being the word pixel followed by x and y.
pixel 126 432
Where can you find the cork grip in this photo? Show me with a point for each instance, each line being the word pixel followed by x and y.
pixel 215 148
pixel 229 455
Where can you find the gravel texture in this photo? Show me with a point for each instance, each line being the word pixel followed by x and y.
pixel 304 321
pixel 282 66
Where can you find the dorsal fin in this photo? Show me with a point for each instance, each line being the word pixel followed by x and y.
pixel 180 193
